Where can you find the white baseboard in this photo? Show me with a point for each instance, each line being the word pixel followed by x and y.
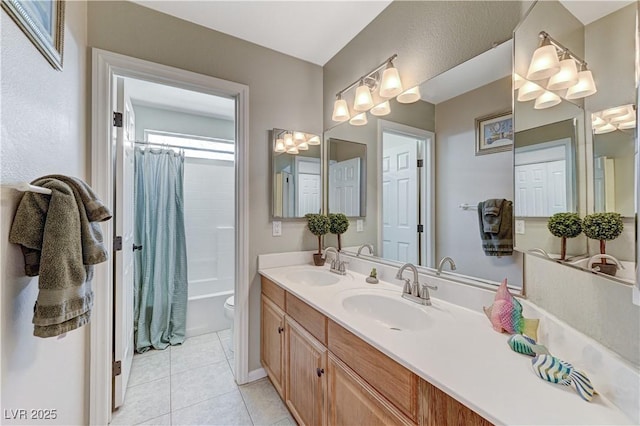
pixel 256 375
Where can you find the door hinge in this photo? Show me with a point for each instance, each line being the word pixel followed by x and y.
pixel 420 228
pixel 117 119
pixel 117 368
pixel 420 163
pixel 117 243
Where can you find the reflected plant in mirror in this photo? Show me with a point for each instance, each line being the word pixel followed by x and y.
pixel 295 173
pixel 565 225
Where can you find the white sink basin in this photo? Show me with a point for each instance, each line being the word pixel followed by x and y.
pixel 313 278
pixel 386 309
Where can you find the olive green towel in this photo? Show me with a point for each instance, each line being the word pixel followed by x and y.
pixel 496 217
pixel 60 241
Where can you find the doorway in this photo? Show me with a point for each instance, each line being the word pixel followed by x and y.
pixel 110 71
pixel 406 181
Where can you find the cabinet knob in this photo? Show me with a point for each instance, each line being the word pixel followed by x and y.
pixel 320 371
pixel 280 330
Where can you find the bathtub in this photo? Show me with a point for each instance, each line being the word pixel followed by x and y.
pixel 205 306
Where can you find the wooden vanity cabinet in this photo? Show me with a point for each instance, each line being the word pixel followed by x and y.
pixel 306 377
pixel 438 409
pixel 272 347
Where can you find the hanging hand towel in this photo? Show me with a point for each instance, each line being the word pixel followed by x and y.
pixel 498 243
pixel 56 237
pixel 491 215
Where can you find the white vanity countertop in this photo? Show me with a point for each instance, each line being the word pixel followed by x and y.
pixel 460 353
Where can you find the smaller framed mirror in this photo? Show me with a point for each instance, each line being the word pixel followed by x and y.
pixel 296 174
pixel 347 187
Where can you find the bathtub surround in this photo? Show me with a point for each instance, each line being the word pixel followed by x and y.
pixel 44 131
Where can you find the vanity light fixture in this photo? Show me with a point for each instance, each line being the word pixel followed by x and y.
pixel 617 118
pixel 299 137
pixel 292 142
pixel 384 79
pixel 279 146
pixel 314 140
pixel 288 141
pixel 560 74
pixel 293 150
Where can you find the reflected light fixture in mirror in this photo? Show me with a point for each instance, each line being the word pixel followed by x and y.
pixel 617 118
pixel 561 75
pixel 389 84
pixel 292 142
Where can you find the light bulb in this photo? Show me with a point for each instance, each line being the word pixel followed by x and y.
pixel 390 85
pixel 293 150
pixel 585 86
pixel 363 100
pixel 409 96
pixel 518 81
pixel 544 63
pixel 566 77
pixel 288 140
pixel 340 110
pixel 359 120
pixel 314 140
pixel 381 109
pixel 529 91
pixel 279 145
pixel 607 128
pixel 547 100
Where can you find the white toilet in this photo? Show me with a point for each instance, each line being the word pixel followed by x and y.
pixel 229 306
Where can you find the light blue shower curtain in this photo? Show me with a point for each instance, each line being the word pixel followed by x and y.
pixel 160 294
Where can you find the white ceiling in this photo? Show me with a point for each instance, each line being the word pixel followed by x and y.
pixel 167 97
pixel 310 30
pixel 588 11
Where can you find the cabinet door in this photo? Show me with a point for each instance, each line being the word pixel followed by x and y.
pixel 305 375
pixel 272 332
pixel 353 402
pixel 439 409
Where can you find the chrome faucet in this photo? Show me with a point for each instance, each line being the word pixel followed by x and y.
pixel 367 245
pixel 452 264
pixel 597 257
pixel 414 292
pixel 539 251
pixel 337 266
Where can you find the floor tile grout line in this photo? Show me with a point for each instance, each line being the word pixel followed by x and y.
pixel 209 399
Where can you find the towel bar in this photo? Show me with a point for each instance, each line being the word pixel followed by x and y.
pixel 27 187
pixel 466 206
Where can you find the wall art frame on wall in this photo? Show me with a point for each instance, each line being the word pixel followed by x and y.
pixel 43 22
pixel 494 133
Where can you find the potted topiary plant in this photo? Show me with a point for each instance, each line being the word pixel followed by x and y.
pixel 603 227
pixel 565 225
pixel 338 225
pixel 318 224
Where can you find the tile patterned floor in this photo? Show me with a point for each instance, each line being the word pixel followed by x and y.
pixel 193 384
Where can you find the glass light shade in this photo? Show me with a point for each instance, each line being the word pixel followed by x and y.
pixel 623 118
pixel 288 140
pixel 359 120
pixel 566 77
pixel 314 140
pixel 585 86
pixel 529 91
pixel 544 63
pixel 340 111
pixel 616 112
pixel 391 85
pixel 279 146
pixel 363 100
pixel 293 150
pixel 303 146
pixel 547 100
pixel 597 121
pixel 409 96
pixel 381 109
pixel 518 81
pixel 604 129
pixel 299 137
pixel 627 125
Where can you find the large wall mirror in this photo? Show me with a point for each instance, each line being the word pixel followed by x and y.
pixel 596 125
pixel 296 174
pixel 425 176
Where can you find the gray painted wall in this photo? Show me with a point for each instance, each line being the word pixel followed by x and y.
pixel 44 131
pixel 463 177
pixel 284 92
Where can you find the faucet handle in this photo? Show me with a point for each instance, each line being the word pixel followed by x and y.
pixel 432 287
pixel 407 286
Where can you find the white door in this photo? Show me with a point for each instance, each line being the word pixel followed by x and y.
pixel 124 225
pixel 399 198
pixel 308 194
pixel 345 187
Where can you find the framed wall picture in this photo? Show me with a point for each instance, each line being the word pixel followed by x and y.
pixel 43 22
pixel 494 133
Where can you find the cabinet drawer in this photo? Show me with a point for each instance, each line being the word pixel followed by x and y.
pixel 393 381
pixel 313 321
pixel 273 292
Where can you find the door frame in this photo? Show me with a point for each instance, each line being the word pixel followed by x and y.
pixel 106 65
pixel 426 214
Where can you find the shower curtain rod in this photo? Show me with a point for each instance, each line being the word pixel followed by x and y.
pixel 168 145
